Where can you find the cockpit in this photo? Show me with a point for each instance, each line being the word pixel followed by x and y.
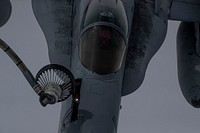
pixel 103 36
pixel 102 49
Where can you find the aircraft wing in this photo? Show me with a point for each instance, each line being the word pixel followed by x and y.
pixel 185 10
pixel 55 19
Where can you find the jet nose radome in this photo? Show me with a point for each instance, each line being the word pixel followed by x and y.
pixel 103 36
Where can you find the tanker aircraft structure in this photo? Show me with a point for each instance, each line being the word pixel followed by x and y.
pixel 107 45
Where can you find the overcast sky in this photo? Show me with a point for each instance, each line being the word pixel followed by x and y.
pixel 157 107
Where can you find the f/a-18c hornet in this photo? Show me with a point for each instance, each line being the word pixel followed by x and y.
pixel 99 51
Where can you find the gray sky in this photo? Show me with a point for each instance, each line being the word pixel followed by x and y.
pixel 157 107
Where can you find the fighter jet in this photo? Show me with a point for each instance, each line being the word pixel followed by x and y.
pixel 104 46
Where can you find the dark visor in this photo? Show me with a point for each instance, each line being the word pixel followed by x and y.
pixel 102 49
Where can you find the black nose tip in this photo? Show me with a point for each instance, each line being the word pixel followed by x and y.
pixel 195 103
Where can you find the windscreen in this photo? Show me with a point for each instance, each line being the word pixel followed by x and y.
pixel 102 49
